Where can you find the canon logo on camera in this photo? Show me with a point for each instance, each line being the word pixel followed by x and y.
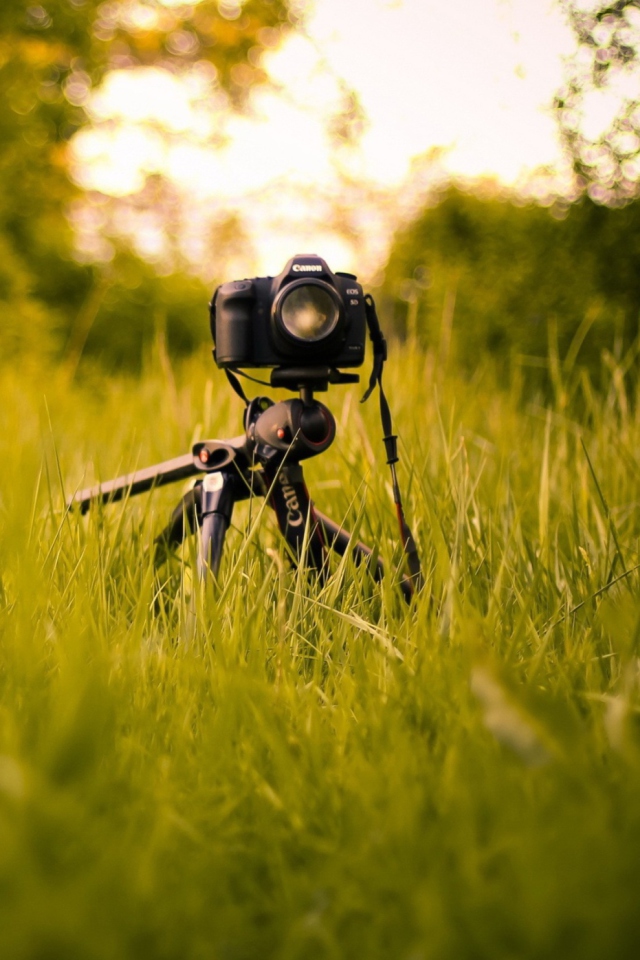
pixel 307 268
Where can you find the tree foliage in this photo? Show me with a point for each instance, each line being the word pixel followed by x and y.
pixel 52 56
pixel 484 275
pixel 607 162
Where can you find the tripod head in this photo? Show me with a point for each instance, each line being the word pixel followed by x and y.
pixel 295 429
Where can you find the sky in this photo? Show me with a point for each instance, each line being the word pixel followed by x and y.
pixel 471 81
pixel 476 76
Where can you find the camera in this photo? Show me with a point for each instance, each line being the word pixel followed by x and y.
pixel 305 317
pixel 305 324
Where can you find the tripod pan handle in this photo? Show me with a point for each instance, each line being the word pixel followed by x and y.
pixel 180 468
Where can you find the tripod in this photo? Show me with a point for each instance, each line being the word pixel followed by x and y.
pixel 263 461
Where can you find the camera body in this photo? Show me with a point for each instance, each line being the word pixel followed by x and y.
pixel 305 317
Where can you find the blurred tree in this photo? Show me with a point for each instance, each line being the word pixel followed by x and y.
pixel 605 67
pixel 51 58
pixel 476 276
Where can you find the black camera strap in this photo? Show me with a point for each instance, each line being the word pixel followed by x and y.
pixel 236 386
pixel 390 440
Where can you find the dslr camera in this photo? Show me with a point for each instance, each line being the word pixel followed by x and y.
pixel 305 317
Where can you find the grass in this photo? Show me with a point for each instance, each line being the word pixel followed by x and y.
pixel 268 768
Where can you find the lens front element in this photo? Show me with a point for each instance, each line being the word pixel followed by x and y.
pixel 308 312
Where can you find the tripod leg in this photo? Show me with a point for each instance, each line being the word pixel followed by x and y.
pixel 292 504
pixel 189 510
pixel 218 498
pixel 339 540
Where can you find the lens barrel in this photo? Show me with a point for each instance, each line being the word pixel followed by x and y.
pixel 307 311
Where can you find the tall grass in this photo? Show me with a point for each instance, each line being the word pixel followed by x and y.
pixel 270 768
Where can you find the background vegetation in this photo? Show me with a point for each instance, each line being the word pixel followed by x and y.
pixel 473 271
pixel 51 59
pixel 477 274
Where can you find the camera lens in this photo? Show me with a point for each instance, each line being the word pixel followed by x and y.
pixel 308 312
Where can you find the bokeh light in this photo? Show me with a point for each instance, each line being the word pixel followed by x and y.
pixel 369 106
